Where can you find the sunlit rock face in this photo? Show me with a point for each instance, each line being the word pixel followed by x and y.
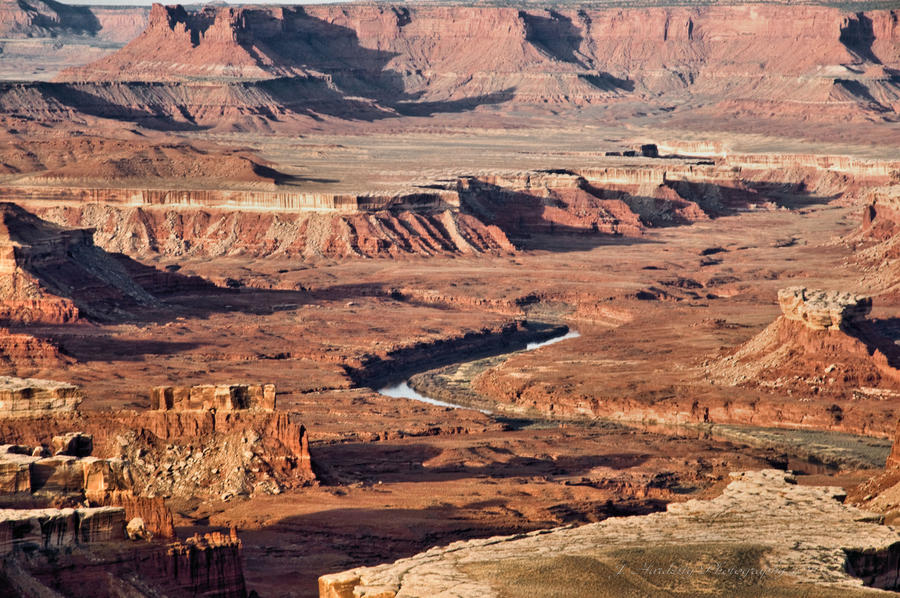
pixel 823 310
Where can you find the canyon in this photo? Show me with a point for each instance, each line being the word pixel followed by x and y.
pixel 225 230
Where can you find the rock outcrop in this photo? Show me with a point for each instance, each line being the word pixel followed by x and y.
pixel 704 537
pixel 431 58
pixel 877 241
pixel 213 397
pixel 207 565
pixel 73 444
pixel 52 274
pixel 821 344
pixel 26 471
pixel 29 397
pixel 186 454
pixel 823 310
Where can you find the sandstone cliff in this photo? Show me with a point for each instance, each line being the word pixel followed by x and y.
pixel 52 274
pixel 41 19
pixel 205 454
pixel 818 61
pixel 822 344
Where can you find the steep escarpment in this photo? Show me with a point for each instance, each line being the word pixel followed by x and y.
pixel 54 274
pixel 216 232
pixel 815 61
pixel 490 212
pixel 51 274
pixel 877 242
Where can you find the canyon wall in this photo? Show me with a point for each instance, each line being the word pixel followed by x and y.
pixel 52 274
pixel 35 19
pixel 494 212
pixel 819 61
pixel 21 529
pixel 877 242
pixel 275 450
pixel 213 397
pixel 207 565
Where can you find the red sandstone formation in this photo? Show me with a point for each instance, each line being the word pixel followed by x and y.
pixel 207 565
pixel 156 517
pixel 822 344
pixel 29 397
pixel 184 453
pixel 213 397
pixel 40 19
pixel 24 472
pixel 84 553
pixel 147 231
pixel 50 274
pixel 24 352
pixel 472 215
pixel 798 57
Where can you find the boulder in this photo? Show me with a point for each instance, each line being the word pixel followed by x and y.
pixel 75 444
pixel 136 529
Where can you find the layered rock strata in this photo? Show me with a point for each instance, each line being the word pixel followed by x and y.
pixel 822 337
pixel 52 274
pixel 208 397
pixel 397 57
pixel 472 214
pixel 698 535
pixel 26 474
pixel 823 310
pixel 30 397
pixel 22 529
pixel 207 565
pixel 20 352
pixel 36 19
pixel 25 470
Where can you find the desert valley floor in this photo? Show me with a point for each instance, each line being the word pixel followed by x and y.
pixel 435 299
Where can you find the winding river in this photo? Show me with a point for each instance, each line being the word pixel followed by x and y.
pixel 404 391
